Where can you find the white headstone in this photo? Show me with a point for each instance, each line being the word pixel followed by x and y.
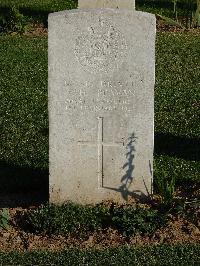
pixel 127 4
pixel 101 104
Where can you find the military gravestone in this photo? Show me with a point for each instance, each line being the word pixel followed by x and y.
pixel 101 98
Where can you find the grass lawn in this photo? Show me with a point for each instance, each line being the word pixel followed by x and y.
pixel 160 255
pixel 36 10
pixel 41 5
pixel 177 95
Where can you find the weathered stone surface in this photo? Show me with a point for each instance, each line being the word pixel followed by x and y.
pixel 101 91
pixel 121 4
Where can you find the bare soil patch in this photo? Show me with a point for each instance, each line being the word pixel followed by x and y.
pixel 36 30
pixel 176 231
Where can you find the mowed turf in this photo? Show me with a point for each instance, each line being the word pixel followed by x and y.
pixel 36 10
pixel 177 109
pixel 23 92
pixel 158 255
pixel 40 6
pixel 24 106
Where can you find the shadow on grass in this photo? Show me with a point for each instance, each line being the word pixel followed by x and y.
pixel 24 187
pixel 179 147
pixel 20 186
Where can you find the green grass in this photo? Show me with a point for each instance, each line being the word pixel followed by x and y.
pixel 23 92
pixel 158 255
pixel 177 84
pixel 177 95
pixel 24 115
pixel 38 6
pixel 36 10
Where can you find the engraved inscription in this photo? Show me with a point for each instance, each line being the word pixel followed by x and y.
pixel 100 48
pixel 109 96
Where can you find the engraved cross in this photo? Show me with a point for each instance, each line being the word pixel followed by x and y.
pixel 100 144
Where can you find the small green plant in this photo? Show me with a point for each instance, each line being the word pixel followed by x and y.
pixel 13 21
pixel 17 22
pixel 192 211
pixel 187 209
pixel 165 187
pixel 4 219
pixel 79 220
pixel 67 218
pixel 131 220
